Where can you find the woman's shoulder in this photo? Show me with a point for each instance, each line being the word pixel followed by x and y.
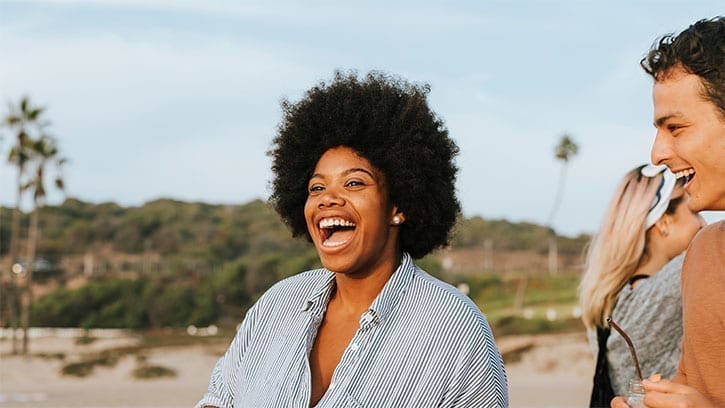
pixel 665 281
pixel 298 287
pixel 655 298
pixel 447 300
pixel 673 267
pixel 305 278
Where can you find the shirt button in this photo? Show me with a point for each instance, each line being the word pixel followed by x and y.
pixel 354 346
pixel 366 318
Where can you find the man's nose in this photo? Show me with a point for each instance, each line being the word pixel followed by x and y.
pixel 661 149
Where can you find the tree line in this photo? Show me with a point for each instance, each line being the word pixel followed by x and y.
pixel 167 262
pixel 209 232
pixel 208 262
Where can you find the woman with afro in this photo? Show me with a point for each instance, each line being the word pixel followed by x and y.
pixel 364 170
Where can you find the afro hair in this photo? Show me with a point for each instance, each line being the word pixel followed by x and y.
pixel 387 121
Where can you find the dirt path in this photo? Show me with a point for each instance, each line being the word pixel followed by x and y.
pixel 556 372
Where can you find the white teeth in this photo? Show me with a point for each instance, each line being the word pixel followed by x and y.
pixel 335 222
pixel 684 173
pixel 331 244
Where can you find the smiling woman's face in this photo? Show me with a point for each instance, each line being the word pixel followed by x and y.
pixel 349 215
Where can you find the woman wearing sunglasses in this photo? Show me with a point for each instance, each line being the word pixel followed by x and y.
pixel 633 275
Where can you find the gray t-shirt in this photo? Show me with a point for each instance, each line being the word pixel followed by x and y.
pixel 651 315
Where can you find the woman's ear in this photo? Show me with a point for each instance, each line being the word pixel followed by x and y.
pixel 398 217
pixel 663 225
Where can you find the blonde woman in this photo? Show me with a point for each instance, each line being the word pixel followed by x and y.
pixel 633 275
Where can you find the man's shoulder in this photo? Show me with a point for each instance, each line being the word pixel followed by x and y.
pixel 716 229
pixel 705 253
pixel 710 238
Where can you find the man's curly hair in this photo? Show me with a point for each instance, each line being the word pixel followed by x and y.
pixel 699 50
pixel 387 121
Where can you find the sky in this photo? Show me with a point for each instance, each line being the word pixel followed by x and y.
pixel 180 99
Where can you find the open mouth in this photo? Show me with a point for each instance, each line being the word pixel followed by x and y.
pixel 335 231
pixel 688 174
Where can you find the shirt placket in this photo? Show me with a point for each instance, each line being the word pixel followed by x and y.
pixel 315 314
pixel 347 367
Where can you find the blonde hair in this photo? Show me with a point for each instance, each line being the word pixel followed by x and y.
pixel 619 246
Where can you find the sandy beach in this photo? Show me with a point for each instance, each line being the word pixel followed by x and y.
pixel 543 371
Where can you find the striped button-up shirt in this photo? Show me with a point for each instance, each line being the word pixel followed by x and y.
pixel 422 343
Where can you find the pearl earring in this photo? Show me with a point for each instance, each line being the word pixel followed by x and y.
pixel 396 220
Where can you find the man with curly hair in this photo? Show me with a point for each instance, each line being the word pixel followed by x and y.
pixel 364 170
pixel 689 114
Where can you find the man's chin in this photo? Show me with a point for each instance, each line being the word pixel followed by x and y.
pixel 718 206
pixel 698 204
pixel 695 207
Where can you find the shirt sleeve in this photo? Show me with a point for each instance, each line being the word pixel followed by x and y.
pixel 227 372
pixel 481 378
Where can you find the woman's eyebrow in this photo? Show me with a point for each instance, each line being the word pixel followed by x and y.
pixel 347 172
pixel 358 169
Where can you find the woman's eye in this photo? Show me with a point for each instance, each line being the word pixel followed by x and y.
pixel 353 183
pixel 315 188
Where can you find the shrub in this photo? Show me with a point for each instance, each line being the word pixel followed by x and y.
pixel 152 371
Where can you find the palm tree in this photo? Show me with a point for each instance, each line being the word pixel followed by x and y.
pixel 44 151
pixel 564 150
pixel 21 120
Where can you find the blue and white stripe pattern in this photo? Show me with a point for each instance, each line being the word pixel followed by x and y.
pixel 421 344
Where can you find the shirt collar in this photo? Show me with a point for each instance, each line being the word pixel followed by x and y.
pixel 393 290
pixel 383 304
pixel 320 295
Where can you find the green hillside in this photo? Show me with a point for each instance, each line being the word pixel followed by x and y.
pixel 173 263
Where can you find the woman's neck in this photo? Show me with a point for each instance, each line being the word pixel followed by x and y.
pixel 355 294
pixel 654 263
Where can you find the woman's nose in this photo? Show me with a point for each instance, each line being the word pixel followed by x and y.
pixel 330 198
